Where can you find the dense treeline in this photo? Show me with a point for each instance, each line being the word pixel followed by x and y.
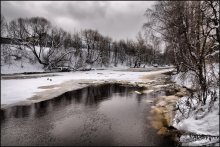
pixel 191 32
pixel 52 46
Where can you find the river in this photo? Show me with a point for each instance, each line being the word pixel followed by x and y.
pixel 107 114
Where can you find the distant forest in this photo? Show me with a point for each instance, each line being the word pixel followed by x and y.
pixel 52 46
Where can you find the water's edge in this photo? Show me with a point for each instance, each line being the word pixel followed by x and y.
pixel 162 110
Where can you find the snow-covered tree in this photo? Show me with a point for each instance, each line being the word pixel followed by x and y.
pixel 191 28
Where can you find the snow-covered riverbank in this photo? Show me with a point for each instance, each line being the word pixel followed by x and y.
pixel 15 90
pixel 194 118
pixel 40 88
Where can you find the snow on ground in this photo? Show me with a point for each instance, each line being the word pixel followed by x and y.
pixel 21 67
pixel 15 90
pixel 207 125
pixel 22 63
pixel 197 122
pixel 184 79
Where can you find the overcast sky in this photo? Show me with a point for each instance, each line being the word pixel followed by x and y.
pixel 117 19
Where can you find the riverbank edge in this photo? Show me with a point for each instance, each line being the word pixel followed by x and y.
pixel 156 82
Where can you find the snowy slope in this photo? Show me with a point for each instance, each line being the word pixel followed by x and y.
pixel 200 121
pixel 21 66
pixel 15 90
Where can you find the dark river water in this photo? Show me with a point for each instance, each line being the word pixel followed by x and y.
pixel 109 114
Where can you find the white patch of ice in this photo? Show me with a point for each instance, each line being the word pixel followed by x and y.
pixel 15 90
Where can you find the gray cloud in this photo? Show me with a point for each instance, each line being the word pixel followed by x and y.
pixel 117 19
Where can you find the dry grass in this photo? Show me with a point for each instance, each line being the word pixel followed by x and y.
pixel 162 113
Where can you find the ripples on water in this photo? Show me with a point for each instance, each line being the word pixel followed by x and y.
pixel 109 114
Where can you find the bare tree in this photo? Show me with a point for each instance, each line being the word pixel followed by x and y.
pixel 49 45
pixel 30 33
pixel 77 43
pixel 191 29
pixel 115 48
pixel 3 26
pixel 104 48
